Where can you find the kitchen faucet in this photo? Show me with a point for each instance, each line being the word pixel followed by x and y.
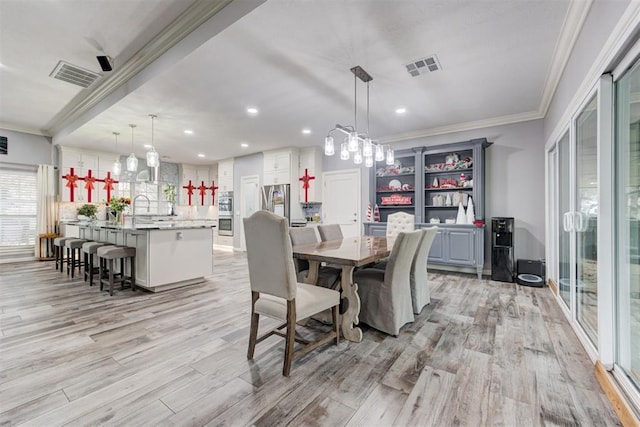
pixel 133 217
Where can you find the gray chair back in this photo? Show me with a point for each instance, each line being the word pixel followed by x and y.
pixel 300 236
pixel 401 257
pixel 418 278
pixel 269 255
pixel 330 232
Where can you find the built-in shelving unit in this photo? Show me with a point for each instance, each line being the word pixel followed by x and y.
pixel 430 183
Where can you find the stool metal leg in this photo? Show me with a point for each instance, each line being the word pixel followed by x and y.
pixel 133 274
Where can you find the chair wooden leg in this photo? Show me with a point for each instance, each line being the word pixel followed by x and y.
pixel 291 335
pixel 253 331
pixel 90 269
pixel 336 323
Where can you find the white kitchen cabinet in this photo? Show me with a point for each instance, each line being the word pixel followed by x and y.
pixel 225 175
pixel 82 161
pixel 279 166
pixel 311 160
pixel 188 173
pixel 202 175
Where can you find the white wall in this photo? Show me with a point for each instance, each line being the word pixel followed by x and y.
pixel 27 149
pixel 602 18
pixel 514 179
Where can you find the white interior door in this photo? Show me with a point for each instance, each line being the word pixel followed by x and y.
pixel 341 200
pixel 249 201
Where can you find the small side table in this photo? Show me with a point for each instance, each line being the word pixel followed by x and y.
pixel 48 242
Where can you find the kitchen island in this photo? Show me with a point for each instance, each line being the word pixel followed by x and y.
pixel 168 254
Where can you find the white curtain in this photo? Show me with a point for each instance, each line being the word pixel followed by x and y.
pixel 46 194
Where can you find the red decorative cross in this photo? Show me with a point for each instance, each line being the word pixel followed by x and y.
pixel 305 179
pixel 71 178
pixel 89 180
pixel 108 185
pixel 213 189
pixel 203 190
pixel 189 189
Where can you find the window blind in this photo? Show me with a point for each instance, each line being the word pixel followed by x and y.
pixel 18 210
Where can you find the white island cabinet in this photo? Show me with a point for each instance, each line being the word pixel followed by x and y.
pixel 167 256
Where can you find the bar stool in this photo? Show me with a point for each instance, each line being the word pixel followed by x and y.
pixel 90 249
pixel 58 246
pixel 111 253
pixel 74 247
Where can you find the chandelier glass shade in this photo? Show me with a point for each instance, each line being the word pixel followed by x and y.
pixel 116 168
pixel 153 159
pixel 132 160
pixel 359 143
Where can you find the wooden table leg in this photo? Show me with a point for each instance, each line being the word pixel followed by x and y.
pixel 312 275
pixel 351 317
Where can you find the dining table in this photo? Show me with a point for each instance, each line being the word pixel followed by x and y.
pixel 347 253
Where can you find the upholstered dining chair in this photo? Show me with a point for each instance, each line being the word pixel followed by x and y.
pixel 400 221
pixel 420 295
pixel 328 277
pixel 330 232
pixel 386 294
pixel 276 293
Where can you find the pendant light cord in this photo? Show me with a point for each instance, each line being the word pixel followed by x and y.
pixel 368 135
pixel 355 104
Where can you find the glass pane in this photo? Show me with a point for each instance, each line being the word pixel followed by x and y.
pixel 628 221
pixel 564 205
pixel 586 220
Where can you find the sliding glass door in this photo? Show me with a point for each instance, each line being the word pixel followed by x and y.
pixel 564 218
pixel 627 112
pixel 585 221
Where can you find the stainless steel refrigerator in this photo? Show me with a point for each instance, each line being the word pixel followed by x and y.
pixel 276 199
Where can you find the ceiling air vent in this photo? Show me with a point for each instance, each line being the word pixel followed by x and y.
pixel 425 65
pixel 73 74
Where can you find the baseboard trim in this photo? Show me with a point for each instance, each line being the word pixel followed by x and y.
pixel 553 286
pixel 616 397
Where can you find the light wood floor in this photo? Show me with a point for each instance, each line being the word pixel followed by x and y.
pixel 483 353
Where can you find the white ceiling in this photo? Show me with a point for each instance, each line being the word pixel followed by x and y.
pixel 291 59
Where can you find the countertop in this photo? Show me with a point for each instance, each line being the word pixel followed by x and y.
pixel 158 225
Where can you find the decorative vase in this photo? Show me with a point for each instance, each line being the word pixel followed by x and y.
pixel 114 217
pixel 462 217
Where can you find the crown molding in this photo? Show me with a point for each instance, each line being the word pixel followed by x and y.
pixel 198 13
pixel 571 27
pixel 13 128
pixel 460 127
pixel 627 25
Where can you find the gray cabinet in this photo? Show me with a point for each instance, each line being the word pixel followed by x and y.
pixel 461 246
pixel 379 230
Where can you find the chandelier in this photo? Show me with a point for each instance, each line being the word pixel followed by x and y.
pixel 359 143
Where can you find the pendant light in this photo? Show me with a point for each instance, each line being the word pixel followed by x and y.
pixel 117 166
pixel 153 160
pixel 132 160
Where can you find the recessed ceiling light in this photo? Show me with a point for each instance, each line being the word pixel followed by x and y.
pixel 252 110
pixel 147 145
pixel 200 155
pixel 244 145
pixel 306 131
pixel 401 110
pixel 188 131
